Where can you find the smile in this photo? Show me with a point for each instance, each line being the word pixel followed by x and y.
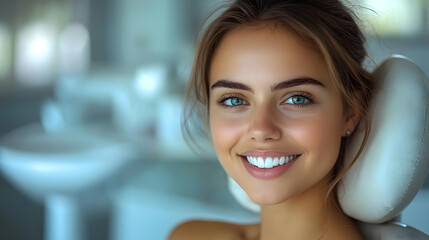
pixel 270 162
pixel 267 165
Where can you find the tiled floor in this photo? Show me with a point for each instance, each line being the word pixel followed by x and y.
pixel 417 213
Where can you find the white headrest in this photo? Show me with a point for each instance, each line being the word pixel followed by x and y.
pixel 394 163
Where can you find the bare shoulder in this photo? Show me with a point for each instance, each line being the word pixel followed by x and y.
pixel 213 230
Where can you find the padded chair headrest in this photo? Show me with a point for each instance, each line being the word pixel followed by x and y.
pixel 395 160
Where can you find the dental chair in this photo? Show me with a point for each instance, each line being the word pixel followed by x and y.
pixel 395 161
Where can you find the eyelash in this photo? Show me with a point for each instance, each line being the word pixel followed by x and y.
pixel 300 94
pixel 221 100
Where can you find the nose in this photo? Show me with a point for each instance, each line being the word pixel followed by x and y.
pixel 264 125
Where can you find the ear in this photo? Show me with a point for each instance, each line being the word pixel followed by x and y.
pixel 351 120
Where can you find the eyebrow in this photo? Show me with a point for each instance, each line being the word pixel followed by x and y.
pixel 296 82
pixel 229 84
pixel 285 84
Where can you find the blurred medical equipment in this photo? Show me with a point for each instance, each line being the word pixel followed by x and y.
pixel 74 50
pixel 92 130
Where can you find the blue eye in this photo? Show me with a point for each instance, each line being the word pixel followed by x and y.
pixel 297 100
pixel 232 102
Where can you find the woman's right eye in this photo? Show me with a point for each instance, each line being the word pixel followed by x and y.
pixel 233 102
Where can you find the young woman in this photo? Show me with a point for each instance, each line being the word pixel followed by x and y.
pixel 280 86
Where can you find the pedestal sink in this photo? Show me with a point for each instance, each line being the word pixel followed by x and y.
pixel 54 167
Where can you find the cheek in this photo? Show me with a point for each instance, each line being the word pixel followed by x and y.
pixel 226 132
pixel 320 136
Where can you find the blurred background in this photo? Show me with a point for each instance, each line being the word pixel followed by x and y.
pixel 125 64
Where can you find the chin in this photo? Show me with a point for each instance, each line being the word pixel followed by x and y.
pixel 267 196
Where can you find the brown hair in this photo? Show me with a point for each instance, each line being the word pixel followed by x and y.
pixel 328 26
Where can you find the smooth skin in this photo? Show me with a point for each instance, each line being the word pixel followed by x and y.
pixel 271 92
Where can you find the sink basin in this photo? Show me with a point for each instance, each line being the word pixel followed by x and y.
pixel 65 162
pixel 54 167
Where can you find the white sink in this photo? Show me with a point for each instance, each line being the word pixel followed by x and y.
pixel 55 167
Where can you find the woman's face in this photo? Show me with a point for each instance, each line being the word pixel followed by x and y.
pixel 276 119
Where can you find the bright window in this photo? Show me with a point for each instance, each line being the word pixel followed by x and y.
pixel 394 17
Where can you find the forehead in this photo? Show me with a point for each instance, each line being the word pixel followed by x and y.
pixel 264 52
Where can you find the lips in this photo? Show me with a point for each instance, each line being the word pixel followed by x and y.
pixel 268 164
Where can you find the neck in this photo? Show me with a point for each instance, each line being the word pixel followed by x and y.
pixel 307 215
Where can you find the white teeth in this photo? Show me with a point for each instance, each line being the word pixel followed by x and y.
pixel 282 161
pixel 276 162
pixel 270 162
pixel 261 163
